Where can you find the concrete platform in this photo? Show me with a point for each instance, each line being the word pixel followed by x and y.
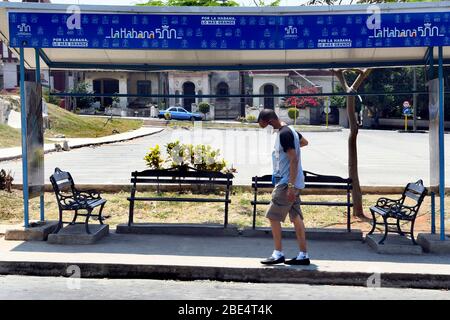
pixel 432 243
pixel 311 234
pixel 223 259
pixel 76 234
pixel 394 244
pixel 38 231
pixel 179 229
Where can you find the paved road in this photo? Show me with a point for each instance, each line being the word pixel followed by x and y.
pixel 16 287
pixel 385 157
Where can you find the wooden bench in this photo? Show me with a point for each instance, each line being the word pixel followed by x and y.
pixel 69 198
pixel 312 180
pixel 208 180
pixel 403 209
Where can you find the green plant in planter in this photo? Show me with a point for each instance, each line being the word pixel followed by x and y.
pixel 250 118
pixel 115 100
pixel 153 158
pixel 179 155
pixel 204 108
pixel 167 116
pixel 293 113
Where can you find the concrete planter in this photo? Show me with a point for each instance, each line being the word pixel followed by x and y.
pixel 154 112
pixel 252 111
pixel 303 117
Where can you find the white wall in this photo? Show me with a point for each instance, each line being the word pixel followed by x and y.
pixel 9 75
pixel 324 81
pixel 260 80
pixel 177 79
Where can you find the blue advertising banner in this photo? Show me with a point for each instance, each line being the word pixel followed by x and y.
pixel 228 32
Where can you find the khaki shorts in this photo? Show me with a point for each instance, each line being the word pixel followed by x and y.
pixel 280 206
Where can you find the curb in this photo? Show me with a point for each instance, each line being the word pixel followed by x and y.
pixel 299 275
pixel 82 145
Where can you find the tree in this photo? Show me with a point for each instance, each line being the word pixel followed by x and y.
pixel 262 3
pixel 190 3
pixel 356 77
pixel 361 75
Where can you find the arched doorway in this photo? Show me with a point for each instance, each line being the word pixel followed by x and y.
pixel 188 89
pixel 222 104
pixel 269 102
pixel 105 86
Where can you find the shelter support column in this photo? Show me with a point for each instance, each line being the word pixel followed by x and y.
pixel 441 145
pixel 23 116
pixel 38 81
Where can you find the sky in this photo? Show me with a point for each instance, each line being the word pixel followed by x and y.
pixel 133 2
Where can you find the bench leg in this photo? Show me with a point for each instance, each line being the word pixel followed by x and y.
pixel 130 218
pixel 100 214
pixel 254 217
pixel 412 232
pixel 86 224
pixel 60 222
pixel 374 222
pixel 400 232
pixel 386 229
pixel 74 220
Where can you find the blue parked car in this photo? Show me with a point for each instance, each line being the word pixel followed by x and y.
pixel 179 113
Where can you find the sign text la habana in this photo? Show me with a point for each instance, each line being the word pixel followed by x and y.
pixel 228 32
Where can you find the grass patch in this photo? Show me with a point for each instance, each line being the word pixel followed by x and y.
pixel 240 210
pixel 74 126
pixel 71 126
pixel 10 137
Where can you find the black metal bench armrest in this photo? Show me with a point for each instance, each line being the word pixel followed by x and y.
pixel 386 203
pixel 402 211
pixel 87 194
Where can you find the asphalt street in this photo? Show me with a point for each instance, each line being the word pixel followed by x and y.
pixel 17 287
pixel 386 158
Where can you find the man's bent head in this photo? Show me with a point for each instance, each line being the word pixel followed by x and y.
pixel 267 117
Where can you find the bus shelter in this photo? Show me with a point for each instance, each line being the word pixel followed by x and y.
pixel 224 38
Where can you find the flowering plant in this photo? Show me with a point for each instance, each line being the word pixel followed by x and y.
pixel 303 102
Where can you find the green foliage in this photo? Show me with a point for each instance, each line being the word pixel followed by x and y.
pixel 153 158
pixel 50 99
pixel 391 80
pixel 338 101
pixel 83 88
pixel 5 180
pixel 293 113
pixel 262 3
pixel 204 107
pixel 115 100
pixel 190 3
pixel 200 157
pixel 250 118
pixel 167 116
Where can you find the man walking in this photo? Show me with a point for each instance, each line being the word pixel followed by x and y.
pixel 288 180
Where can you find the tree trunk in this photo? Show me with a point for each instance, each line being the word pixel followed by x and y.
pixel 353 157
pixel 352 139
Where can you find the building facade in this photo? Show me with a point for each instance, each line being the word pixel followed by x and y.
pixel 8 68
